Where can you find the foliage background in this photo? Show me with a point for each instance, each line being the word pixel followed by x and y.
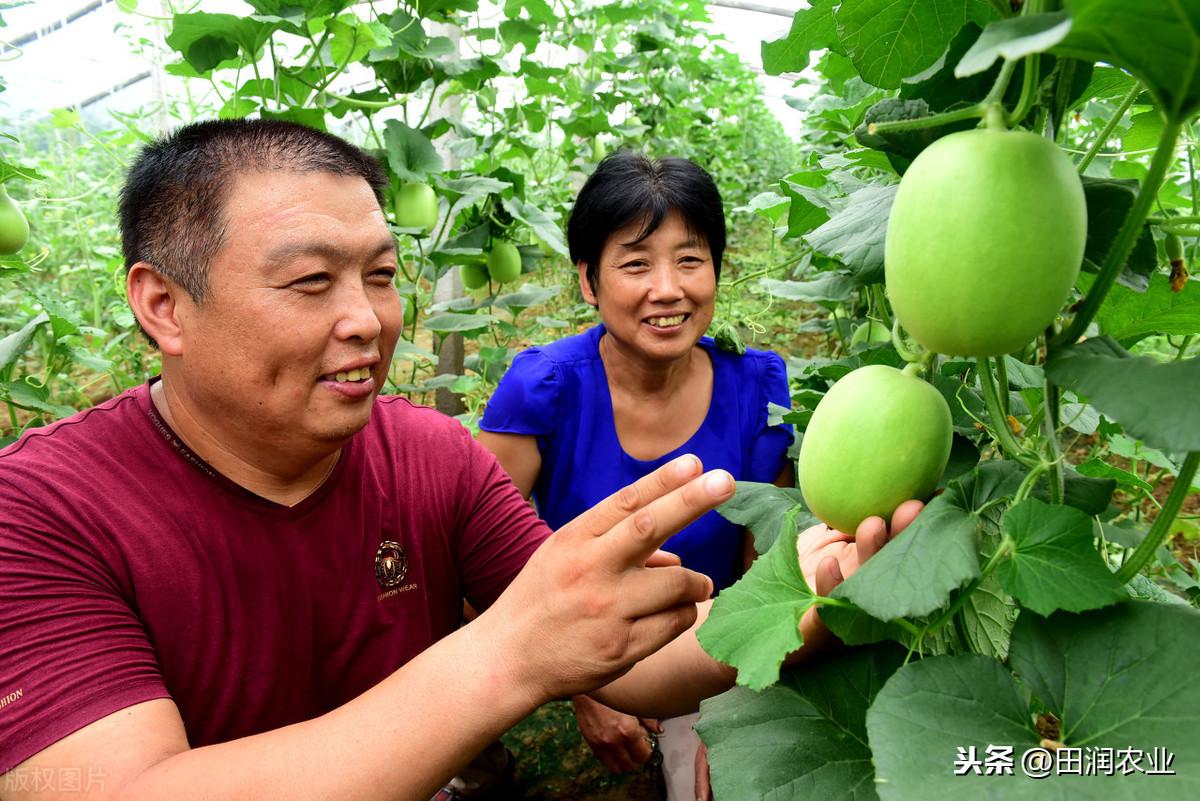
pixel 506 113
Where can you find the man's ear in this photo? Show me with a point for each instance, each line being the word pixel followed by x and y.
pixel 154 300
pixel 585 286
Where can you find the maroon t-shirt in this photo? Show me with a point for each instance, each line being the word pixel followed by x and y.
pixel 130 570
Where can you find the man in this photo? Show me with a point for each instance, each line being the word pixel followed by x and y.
pixel 243 580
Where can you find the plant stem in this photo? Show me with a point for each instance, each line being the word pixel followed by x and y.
pixel 932 121
pixel 1182 219
pixel 1002 384
pixel 1118 252
pixel 996 93
pixel 1028 89
pixel 1050 402
pixel 1004 435
pixel 1179 230
pixel 1029 482
pixel 1162 524
pixel 881 307
pixel 1109 127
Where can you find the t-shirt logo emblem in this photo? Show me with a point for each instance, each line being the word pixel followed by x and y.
pixel 391 564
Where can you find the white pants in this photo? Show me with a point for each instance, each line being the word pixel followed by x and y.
pixel 679 743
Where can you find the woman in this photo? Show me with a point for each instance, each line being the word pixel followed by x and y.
pixel 578 419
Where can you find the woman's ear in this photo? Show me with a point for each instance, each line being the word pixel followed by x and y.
pixel 154 300
pixel 585 286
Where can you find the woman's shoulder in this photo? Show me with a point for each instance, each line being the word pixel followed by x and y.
pixel 753 364
pixel 577 348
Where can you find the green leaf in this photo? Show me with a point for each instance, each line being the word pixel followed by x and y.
pixel 831 287
pixel 935 555
pixel 312 117
pixel 928 710
pixel 454 322
pixel 987 619
pixel 1119 677
pixel 1012 39
pixel 1108 203
pixel 1145 129
pixel 812 29
pixel 13 346
pixel 963 458
pixel 755 623
pixel 1156 40
pixel 762 509
pixel 1153 401
pixel 205 40
pixel 1097 468
pixel 518 31
pixel 1053 564
pixel 768 205
pixel 528 295
pixel 855 234
pixel 1128 316
pixel 890 40
pixel 809 207
pixel 410 153
pixel 545 227
pixel 804 738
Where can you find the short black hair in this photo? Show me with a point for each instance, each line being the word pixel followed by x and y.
pixel 172 204
pixel 628 187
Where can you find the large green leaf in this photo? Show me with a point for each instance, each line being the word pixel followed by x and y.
pixel 809 207
pixel 1153 401
pixel 928 710
pixel 812 29
pixel 1117 678
pixel 762 509
pixel 410 153
pixel 13 346
pixel 1012 39
pixel 890 40
pixel 830 287
pixel 1156 40
pixel 1108 203
pixel 755 623
pixel 854 235
pixel 1120 677
pixel 1128 316
pixel 540 222
pixel 1053 564
pixel 805 738
pixel 454 322
pixel 915 574
pixel 205 40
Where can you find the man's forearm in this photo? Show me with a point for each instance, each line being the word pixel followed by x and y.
pixel 402 739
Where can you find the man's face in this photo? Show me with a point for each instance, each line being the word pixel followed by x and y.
pixel 301 293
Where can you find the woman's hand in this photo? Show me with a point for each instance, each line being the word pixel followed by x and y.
pixel 620 741
pixel 829 557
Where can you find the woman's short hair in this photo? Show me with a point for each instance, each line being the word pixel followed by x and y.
pixel 627 188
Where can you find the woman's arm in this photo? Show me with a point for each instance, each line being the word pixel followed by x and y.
pixel 518 455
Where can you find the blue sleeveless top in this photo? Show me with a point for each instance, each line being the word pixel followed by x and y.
pixel 559 394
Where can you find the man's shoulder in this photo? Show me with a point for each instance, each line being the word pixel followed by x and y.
pixel 74 440
pixel 395 417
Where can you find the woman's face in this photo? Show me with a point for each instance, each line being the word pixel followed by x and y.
pixel 656 296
